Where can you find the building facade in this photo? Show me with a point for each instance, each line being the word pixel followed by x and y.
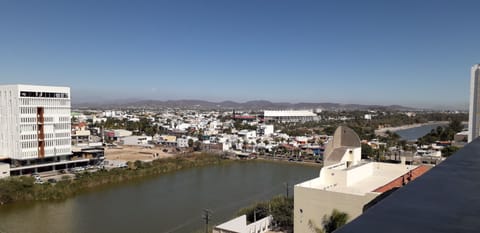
pixel 34 122
pixel 346 183
pixel 290 116
pixel 474 113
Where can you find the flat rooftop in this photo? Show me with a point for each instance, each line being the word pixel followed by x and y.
pixel 382 174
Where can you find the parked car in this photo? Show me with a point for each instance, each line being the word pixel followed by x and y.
pixel 35 175
pixel 39 182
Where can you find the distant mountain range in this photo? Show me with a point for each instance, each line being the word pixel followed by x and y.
pixel 225 105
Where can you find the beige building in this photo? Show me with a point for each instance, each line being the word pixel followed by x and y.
pixel 344 147
pixel 346 183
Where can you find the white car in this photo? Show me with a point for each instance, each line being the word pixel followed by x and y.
pixel 39 181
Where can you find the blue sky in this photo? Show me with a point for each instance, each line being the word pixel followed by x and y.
pixel 414 53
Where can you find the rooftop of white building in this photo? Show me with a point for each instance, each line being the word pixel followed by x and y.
pixel 25 87
pixel 359 179
pixel 289 113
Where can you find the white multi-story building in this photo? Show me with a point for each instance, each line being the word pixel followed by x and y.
pixel 290 116
pixel 474 116
pixel 265 130
pixel 34 122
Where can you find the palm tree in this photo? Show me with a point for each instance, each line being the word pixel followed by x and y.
pixel 336 220
pixel 330 223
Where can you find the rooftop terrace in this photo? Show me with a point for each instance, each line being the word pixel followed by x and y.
pixel 359 179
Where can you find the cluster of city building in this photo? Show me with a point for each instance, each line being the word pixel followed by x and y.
pixel 37 134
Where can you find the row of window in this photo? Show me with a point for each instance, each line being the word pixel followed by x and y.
pixel 64 120
pixel 47 111
pixel 28 110
pixel 48 143
pixel 28 120
pixel 32 144
pixel 48 152
pixel 44 102
pixel 63 126
pixel 27 137
pixel 63 135
pixel 28 128
pixel 43 94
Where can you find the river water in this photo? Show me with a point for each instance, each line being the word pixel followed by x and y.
pixel 168 203
pixel 417 132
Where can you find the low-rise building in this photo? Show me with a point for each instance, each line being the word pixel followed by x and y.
pixel 240 225
pixel 182 142
pixel 290 116
pixel 117 134
pixel 136 140
pixel 347 183
pixel 168 140
pixel 265 130
pixel 247 134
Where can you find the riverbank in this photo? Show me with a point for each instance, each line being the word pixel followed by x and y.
pixel 310 163
pixel 23 189
pixel 383 131
pixel 17 189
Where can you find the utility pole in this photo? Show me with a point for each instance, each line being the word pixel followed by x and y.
pixel 206 216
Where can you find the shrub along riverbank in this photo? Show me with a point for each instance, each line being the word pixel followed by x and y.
pixel 280 207
pixel 15 189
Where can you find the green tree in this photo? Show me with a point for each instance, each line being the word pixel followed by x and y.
pixel 336 220
pixel 280 207
pixel 197 146
pixel 450 150
pixel 367 151
pixel 456 125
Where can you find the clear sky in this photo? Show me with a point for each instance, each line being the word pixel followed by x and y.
pixel 414 53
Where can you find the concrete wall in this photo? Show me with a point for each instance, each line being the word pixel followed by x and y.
pixel 239 225
pixel 263 225
pixel 312 204
pixel 136 140
pixel 359 173
pixel 328 174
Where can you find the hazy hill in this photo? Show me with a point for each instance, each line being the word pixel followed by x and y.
pixel 249 105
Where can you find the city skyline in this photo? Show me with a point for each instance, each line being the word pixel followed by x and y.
pixel 407 53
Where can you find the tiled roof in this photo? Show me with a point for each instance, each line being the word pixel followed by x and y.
pixel 402 180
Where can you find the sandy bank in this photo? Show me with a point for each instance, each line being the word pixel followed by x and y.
pixel 133 153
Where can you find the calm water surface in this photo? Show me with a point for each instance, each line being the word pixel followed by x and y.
pixel 417 132
pixel 168 203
